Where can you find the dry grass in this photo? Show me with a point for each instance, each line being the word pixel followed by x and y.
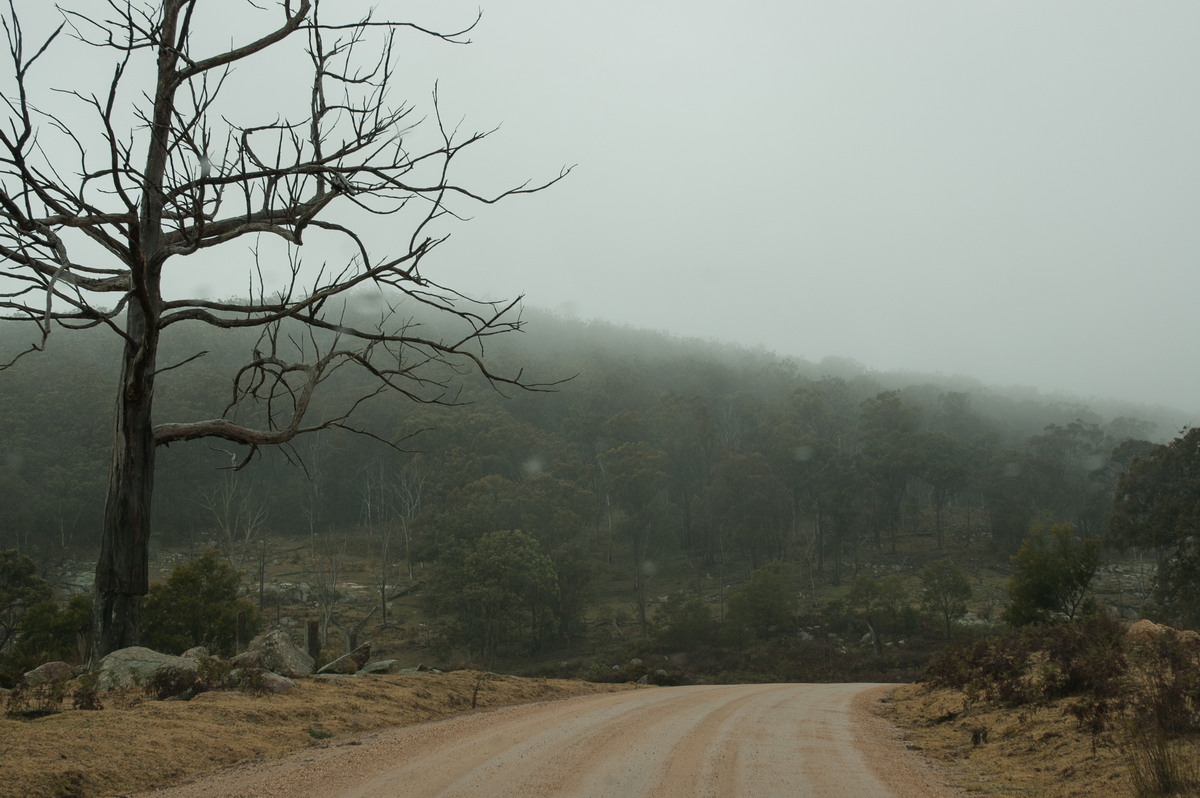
pixel 1030 751
pixel 136 743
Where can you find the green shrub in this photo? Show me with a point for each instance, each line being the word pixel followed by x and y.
pixel 199 606
pixel 683 623
pixel 765 606
pixel 20 589
pixel 944 591
pixel 1054 574
pixel 48 632
pixel 172 682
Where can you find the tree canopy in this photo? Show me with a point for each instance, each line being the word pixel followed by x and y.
pixel 1157 507
pixel 1054 571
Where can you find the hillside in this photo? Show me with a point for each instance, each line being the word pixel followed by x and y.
pixel 648 488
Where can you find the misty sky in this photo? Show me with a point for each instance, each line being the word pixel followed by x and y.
pixel 1007 190
pixel 1004 190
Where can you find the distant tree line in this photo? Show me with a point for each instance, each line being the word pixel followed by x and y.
pixel 657 450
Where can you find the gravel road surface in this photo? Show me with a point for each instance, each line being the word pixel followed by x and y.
pixel 720 741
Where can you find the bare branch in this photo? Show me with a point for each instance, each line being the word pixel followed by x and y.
pixel 100 220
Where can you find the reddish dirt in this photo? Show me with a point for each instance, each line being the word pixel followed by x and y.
pixel 762 740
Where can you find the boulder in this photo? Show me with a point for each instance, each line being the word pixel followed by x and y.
pixel 274 683
pixel 49 673
pixel 199 653
pixel 127 668
pixel 274 651
pixel 349 663
pixel 335 678
pixel 380 666
pixel 261 681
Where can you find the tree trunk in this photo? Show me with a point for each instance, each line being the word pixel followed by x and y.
pixel 122 572
pixel 820 535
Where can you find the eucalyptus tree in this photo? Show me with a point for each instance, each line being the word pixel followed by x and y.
pixel 888 457
pixel 185 156
pixel 1157 508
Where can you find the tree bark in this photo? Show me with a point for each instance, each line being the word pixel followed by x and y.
pixel 122 571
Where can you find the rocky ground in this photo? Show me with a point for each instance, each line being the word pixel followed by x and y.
pixel 127 728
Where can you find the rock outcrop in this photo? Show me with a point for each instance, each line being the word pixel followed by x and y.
pixel 349 663
pixel 380 666
pixel 274 651
pixel 49 673
pixel 132 667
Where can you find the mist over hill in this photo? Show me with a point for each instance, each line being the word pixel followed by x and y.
pixel 54 433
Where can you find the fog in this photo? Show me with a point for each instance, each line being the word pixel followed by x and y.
pixel 1002 190
pixel 1007 191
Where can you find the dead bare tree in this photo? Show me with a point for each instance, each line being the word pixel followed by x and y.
pixel 99 214
pixel 326 571
pixel 378 526
pixel 239 511
pixel 407 490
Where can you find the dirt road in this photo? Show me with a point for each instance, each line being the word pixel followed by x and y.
pixel 754 740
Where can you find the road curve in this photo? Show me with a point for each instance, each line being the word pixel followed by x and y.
pixel 719 740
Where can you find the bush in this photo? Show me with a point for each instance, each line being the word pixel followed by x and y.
pixel 29 703
pixel 48 632
pixel 1157 766
pixel 1168 695
pixel 765 606
pixel 20 589
pixel 683 623
pixel 1053 576
pixel 1036 665
pixel 199 606
pixel 944 591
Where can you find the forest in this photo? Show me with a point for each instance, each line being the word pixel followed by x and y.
pixel 654 489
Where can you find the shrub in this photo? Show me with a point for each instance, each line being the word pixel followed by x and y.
pixel 48 632
pixel 86 696
pixel 20 589
pixel 1053 576
pixel 765 606
pixel 683 622
pixel 199 606
pixel 1156 764
pixel 1040 664
pixel 30 702
pixel 944 591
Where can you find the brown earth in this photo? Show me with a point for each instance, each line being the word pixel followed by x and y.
pixel 317 740
pixel 766 740
pixel 1028 751
pixel 907 736
pixel 135 743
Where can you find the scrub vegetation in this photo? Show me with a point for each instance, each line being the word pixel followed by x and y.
pixel 678 512
pixel 732 514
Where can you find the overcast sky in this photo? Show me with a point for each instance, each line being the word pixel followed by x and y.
pixel 1005 190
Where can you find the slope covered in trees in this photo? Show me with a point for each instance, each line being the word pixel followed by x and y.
pixel 659 454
